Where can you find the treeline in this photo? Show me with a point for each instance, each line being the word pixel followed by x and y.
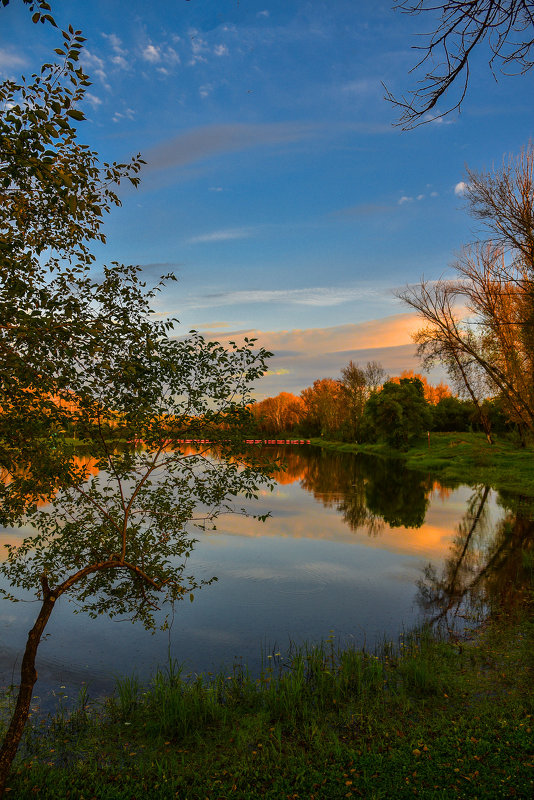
pixel 366 405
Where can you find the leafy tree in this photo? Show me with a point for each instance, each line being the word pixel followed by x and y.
pixel 399 412
pixel 505 26
pixel 277 414
pixel 326 408
pixel 355 385
pixel 452 414
pixel 433 394
pixel 83 352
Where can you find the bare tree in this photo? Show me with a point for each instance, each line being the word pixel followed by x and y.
pixel 463 26
pixel 480 324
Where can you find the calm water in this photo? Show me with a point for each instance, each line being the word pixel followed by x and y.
pixel 348 542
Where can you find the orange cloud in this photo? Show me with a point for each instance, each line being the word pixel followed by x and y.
pixel 301 356
pixel 378 333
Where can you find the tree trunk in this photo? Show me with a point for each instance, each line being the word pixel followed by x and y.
pixel 28 676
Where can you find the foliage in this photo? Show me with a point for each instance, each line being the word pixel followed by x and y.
pixel 399 413
pixel 325 405
pixel 82 352
pixel 461 458
pixel 432 394
pixel 429 717
pixel 53 194
pixel 507 28
pixel 282 413
pixel 451 414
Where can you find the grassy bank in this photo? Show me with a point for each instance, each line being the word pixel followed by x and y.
pixel 460 458
pixel 430 718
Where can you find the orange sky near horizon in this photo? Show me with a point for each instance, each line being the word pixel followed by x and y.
pixel 303 355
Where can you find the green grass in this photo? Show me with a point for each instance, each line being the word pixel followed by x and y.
pixel 428 718
pixel 460 458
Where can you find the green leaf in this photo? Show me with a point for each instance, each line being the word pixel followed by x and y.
pixel 76 114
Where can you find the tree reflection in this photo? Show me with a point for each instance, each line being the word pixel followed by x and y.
pixel 367 491
pixel 489 566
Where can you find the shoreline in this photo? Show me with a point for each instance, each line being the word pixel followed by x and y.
pixel 458 458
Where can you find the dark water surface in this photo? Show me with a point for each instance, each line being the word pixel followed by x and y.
pixel 349 539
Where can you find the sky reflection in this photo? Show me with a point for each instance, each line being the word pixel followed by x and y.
pixel 308 569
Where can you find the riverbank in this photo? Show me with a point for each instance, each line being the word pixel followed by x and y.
pixel 459 458
pixel 428 718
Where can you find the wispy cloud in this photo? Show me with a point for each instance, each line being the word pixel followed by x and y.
pixel 93 100
pixel 119 57
pixel 316 296
pixel 223 235
pixel 95 66
pixel 10 60
pixel 417 198
pixel 212 140
pixel 126 113
pixel 460 188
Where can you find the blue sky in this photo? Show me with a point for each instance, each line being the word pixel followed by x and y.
pixel 277 188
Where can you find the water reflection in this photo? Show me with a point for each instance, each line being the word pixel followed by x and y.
pixel 345 549
pixel 489 566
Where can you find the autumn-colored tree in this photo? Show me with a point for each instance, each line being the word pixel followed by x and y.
pixel 480 324
pixel 326 406
pixel 432 394
pixel 277 414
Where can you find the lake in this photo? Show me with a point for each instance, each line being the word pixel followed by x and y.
pixel 348 543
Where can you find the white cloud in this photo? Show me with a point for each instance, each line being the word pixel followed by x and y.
pixel 120 62
pixel 10 60
pixel 263 14
pixel 223 236
pixel 420 197
pixel 460 188
pixel 405 199
pixel 215 189
pixel 115 43
pixel 151 53
pixel 220 50
pixel 95 66
pixel 435 119
pixel 434 194
pixel 205 90
pixel 93 100
pixel 199 48
pixel 127 113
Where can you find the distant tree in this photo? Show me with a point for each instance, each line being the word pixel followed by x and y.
pixel 461 28
pixel 452 414
pixel 358 384
pixel 325 404
pixel 354 384
pixel 274 415
pixel 433 394
pixel 375 375
pixel 399 412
